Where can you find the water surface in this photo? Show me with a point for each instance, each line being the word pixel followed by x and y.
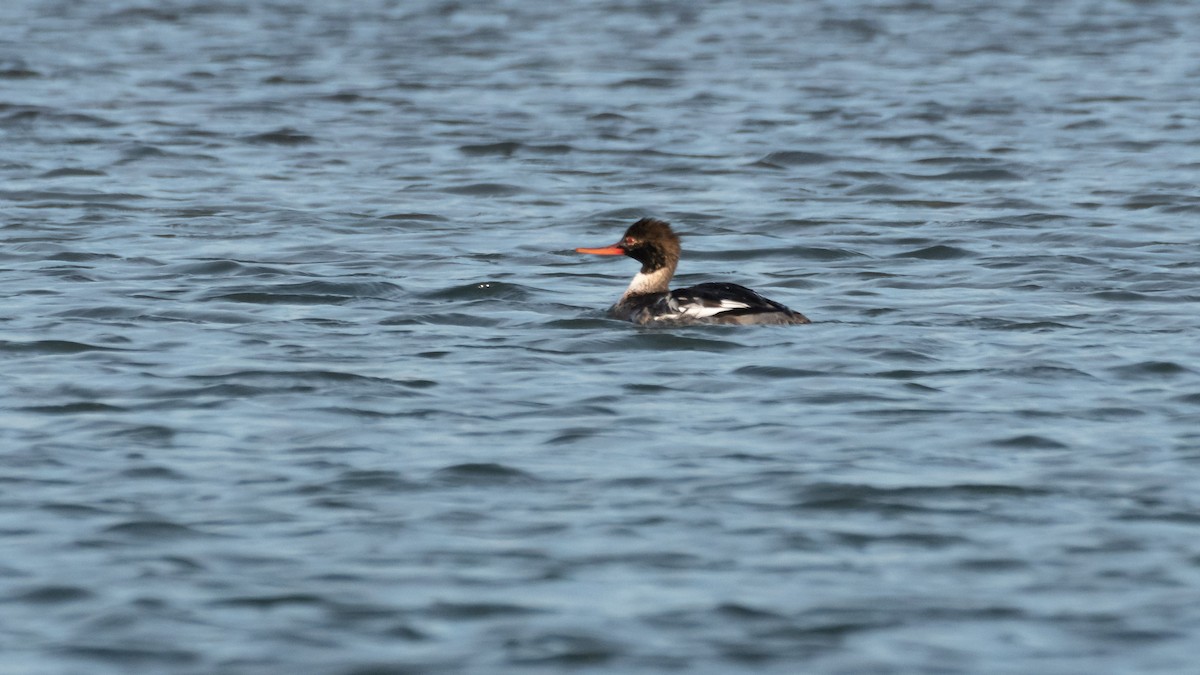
pixel 301 372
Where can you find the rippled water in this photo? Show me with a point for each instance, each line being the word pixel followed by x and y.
pixel 301 372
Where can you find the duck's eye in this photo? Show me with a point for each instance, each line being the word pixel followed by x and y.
pixel 629 241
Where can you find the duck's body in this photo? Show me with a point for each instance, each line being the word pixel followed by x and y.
pixel 649 300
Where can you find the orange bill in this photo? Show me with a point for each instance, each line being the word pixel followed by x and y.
pixel 607 250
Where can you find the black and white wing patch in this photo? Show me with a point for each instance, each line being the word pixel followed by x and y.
pixel 713 299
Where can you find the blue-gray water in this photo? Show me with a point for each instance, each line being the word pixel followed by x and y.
pixel 300 372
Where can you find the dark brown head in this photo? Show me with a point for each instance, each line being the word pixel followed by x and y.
pixel 649 241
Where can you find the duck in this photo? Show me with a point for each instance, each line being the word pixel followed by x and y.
pixel 649 299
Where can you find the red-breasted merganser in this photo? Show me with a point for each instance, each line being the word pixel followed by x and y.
pixel 648 300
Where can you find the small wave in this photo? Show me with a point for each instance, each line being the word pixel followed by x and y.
pixel 551 149
pixel 226 268
pixel 485 190
pixel 786 158
pixel 71 510
pixel 584 324
pixel 28 115
pixel 1159 199
pixel 926 203
pixel 1046 372
pixel 154 529
pixel 864 30
pixel 283 136
pixel 655 339
pixel 937 252
pixel 288 80
pixel 67 172
pixel 55 198
pixel 1111 414
pixel 1154 370
pixel 52 595
pixel 503 148
pixel 145 433
pixel 307 293
pixel 902 355
pixel 983 175
pixel 995 323
pixel 101 312
pixel 853 497
pixel 154 473
pixel 918 141
pixel 271 601
pixel 244 382
pixel 743 612
pixel 74 408
pixel 52 347
pixel 200 316
pixel 1190 399
pixel 1028 442
pixel 18 73
pixel 568 650
pixel 482 290
pixel 484 473
pixel 777 372
pixel 607 117
pixel 478 610
pixel 1027 326
pixel 424 217
pixel 572 435
pixel 644 82
pixel 1128 296
pixel 127 16
pixel 879 189
pixel 81 256
pixel 442 319
pixel 375 480
pixel 819 253
pixel 127 657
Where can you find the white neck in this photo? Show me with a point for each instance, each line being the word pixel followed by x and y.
pixel 654 282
